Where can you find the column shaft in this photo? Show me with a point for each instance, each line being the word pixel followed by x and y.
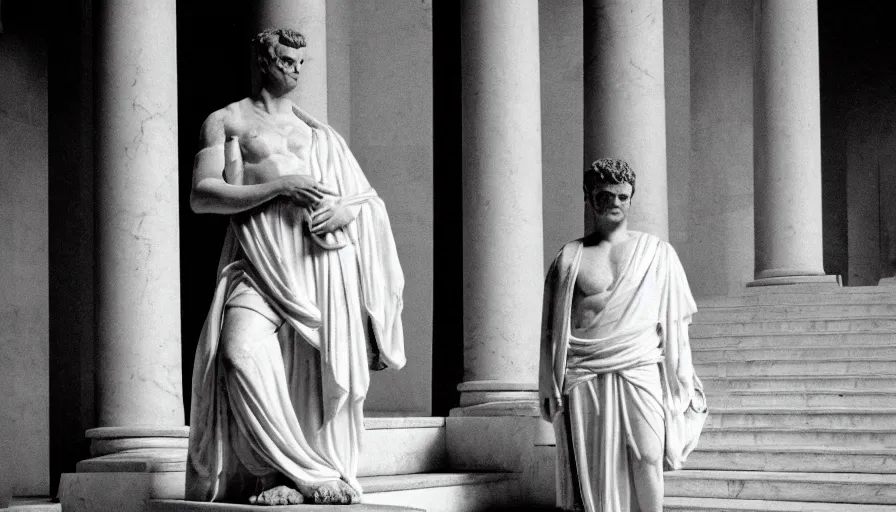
pixel 138 281
pixel 310 18
pixel 502 214
pixel 787 140
pixel 625 106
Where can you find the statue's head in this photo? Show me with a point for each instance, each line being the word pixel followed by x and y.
pixel 280 53
pixel 609 185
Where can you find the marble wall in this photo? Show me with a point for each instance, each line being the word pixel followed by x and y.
pixel 562 103
pixel 720 217
pixel 391 134
pixel 863 99
pixel 24 345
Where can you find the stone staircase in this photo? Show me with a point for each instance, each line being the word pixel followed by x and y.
pixel 801 385
pixel 404 466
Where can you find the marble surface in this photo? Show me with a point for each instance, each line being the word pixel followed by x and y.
pixel 117 492
pixel 491 443
pixel 502 194
pixel 391 105
pixel 310 18
pixel 625 105
pixel 137 257
pixel 24 286
pixel 787 140
pixel 195 506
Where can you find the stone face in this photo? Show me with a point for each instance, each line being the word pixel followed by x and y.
pixel 310 18
pixel 625 106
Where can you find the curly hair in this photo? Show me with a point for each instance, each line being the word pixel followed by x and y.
pixel 264 42
pixel 609 170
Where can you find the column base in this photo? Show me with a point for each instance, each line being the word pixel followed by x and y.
pixel 825 281
pixel 497 398
pixel 130 466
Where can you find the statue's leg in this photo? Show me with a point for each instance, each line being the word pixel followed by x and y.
pixel 646 421
pixel 269 437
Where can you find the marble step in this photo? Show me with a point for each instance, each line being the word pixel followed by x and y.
pixel 706 355
pixel 856 366
pixel 32 504
pixel 830 417
pixel 744 313
pixel 810 399
pixel 445 492
pixel 790 295
pixel 402 446
pixel 798 382
pixel 691 504
pixel 876 489
pixel 798 436
pixel 834 324
pixel 792 340
pixel 822 459
pixel 196 506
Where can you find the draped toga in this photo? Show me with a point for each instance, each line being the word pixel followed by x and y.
pixel 298 409
pixel 638 364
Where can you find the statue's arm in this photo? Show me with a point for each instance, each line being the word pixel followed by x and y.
pixel 211 194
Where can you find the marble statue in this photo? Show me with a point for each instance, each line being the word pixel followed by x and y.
pixel 616 378
pixel 309 298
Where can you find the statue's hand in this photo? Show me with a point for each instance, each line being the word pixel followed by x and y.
pixel 304 190
pixel 329 217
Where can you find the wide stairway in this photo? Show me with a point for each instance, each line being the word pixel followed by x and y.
pixel 801 386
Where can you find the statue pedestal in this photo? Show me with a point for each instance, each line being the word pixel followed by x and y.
pixel 130 467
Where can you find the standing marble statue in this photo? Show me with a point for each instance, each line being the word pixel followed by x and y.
pixel 616 377
pixel 309 297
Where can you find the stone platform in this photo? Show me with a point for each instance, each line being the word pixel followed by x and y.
pixel 195 506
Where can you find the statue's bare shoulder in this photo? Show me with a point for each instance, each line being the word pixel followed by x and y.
pixel 221 125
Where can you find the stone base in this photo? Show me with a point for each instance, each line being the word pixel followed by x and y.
pixel 196 506
pixel 118 492
pixel 825 281
pixel 490 443
pixel 33 504
pixel 887 281
pixel 130 466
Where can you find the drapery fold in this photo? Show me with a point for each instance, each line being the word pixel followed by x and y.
pixel 638 363
pixel 300 414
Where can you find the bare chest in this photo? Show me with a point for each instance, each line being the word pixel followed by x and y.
pixel 264 136
pixel 597 277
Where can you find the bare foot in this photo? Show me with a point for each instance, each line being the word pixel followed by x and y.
pixel 280 495
pixel 335 492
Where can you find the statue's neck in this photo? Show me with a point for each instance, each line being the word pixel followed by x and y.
pixel 273 102
pixel 613 233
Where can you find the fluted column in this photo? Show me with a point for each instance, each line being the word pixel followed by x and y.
pixel 502 215
pixel 310 18
pixel 625 105
pixel 787 144
pixel 138 278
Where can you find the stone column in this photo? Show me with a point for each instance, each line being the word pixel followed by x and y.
pixel 502 215
pixel 787 144
pixel 625 106
pixel 310 18
pixel 139 449
pixel 138 351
